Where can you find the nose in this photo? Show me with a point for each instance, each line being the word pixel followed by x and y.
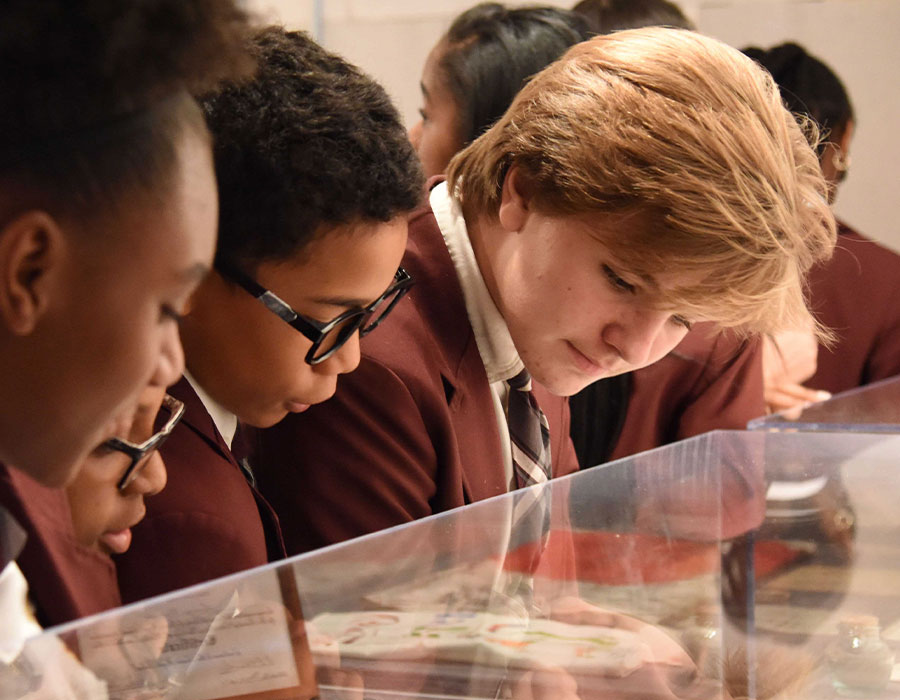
pixel 152 477
pixel 642 337
pixel 170 362
pixel 344 360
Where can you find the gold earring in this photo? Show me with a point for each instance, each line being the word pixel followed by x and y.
pixel 840 160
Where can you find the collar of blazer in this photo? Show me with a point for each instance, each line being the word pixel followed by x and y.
pixel 197 419
pixel 435 324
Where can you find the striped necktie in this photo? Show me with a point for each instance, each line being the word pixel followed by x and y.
pixel 531 502
pixel 529 433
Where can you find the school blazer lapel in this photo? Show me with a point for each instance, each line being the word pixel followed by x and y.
pixel 441 305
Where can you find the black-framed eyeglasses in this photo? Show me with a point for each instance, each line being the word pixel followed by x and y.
pixel 326 338
pixel 139 452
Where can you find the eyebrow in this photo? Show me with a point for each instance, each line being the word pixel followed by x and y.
pixel 649 281
pixel 341 301
pixel 620 268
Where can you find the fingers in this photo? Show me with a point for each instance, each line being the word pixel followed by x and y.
pixel 790 356
pixel 576 611
pixel 792 396
pixel 545 684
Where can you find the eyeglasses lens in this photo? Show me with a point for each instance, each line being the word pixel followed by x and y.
pixel 339 335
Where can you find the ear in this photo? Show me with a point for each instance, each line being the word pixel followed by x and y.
pixel 846 137
pixel 31 248
pixel 515 200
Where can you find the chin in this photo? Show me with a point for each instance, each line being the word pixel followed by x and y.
pixel 565 385
pixel 264 419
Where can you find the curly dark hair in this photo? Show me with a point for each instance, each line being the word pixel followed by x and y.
pixel 311 142
pixel 96 92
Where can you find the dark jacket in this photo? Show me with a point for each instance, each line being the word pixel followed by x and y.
pixel 411 432
pixel 207 522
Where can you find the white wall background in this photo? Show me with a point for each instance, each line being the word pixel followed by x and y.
pixel 859 39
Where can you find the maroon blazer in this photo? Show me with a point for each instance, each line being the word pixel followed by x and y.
pixel 65 579
pixel 411 432
pixel 711 381
pixel 208 521
pixel 856 294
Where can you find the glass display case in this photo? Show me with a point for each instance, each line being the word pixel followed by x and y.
pixel 732 565
pixel 874 408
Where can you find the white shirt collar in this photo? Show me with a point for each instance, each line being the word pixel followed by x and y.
pixel 15 611
pixel 225 420
pixel 495 345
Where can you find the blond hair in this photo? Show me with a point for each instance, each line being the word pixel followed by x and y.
pixel 692 132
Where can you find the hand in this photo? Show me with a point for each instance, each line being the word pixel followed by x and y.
pixel 663 648
pixel 791 399
pixel 789 359
pixel 545 684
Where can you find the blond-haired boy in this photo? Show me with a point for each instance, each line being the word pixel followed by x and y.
pixel 645 181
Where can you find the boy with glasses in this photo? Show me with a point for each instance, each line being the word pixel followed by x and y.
pixel 646 181
pixel 316 179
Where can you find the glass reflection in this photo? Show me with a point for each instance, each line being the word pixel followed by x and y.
pixel 734 565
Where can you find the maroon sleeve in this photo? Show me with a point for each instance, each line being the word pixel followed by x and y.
pixel 176 549
pixel 853 295
pixel 66 580
pixel 711 381
pixel 884 359
pixel 362 461
pixel 729 394
pixel 730 391
pixel 204 524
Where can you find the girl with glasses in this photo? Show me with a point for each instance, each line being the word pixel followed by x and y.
pixel 67 557
pixel 107 496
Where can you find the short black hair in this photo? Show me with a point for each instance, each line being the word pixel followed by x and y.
pixel 492 51
pixel 808 87
pixel 95 93
pixel 607 16
pixel 310 143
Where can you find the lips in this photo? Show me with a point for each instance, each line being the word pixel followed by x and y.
pixel 583 362
pixel 117 541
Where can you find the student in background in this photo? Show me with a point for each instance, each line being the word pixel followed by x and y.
pixel 107 224
pixel 71 569
pixel 107 496
pixel 852 293
pixel 316 179
pixel 712 379
pixel 477 68
pixel 605 16
pixel 572 241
